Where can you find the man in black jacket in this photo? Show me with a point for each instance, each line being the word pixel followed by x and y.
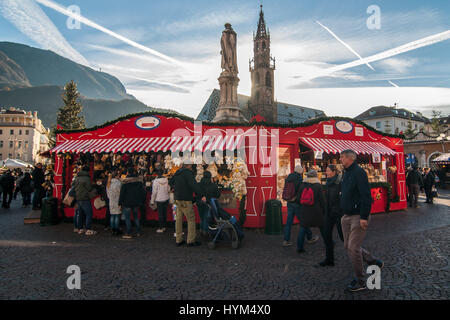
pixel 414 182
pixel 185 186
pixel 428 184
pixel 38 179
pixel 356 203
pixel 131 199
pixel 7 183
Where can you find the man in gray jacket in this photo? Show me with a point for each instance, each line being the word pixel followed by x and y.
pixel 83 192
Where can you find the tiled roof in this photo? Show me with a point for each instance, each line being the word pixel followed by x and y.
pixel 383 111
pixel 287 113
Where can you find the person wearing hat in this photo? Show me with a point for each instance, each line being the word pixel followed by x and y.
pixel 293 207
pixel 211 191
pixel 312 207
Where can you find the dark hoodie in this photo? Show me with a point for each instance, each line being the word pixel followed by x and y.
pixel 297 179
pixel 332 192
pixel 132 192
pixel 209 189
pixel 184 185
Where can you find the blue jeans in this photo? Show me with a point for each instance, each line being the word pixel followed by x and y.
pixel 85 208
pixel 77 220
pixel 293 209
pixel 203 211
pixel 115 221
pixel 26 198
pixel 301 237
pixel 127 212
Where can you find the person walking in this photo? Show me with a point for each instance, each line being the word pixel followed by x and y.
pixel 185 186
pixel 414 182
pixel 356 202
pixel 211 191
pixel 19 176
pixel 160 196
pixel 131 199
pixel 312 207
pixel 8 182
pixel 113 187
pixel 290 193
pixel 428 184
pixel 333 213
pixel 38 179
pixel 26 188
pixel 84 189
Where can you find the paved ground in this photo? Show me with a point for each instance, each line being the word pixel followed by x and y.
pixel 34 259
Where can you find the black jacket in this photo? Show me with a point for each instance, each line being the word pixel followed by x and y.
pixel 333 196
pixel 26 185
pixel 414 177
pixel 185 186
pixel 132 192
pixel 297 179
pixel 7 182
pixel 430 181
pixel 209 189
pixel 313 216
pixel 356 197
pixel 38 177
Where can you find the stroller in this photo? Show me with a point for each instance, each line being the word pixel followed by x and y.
pixel 222 226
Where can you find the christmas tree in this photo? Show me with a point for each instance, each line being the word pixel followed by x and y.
pixel 69 117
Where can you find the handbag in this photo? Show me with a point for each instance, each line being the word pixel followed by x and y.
pixel 434 192
pixel 99 203
pixel 69 200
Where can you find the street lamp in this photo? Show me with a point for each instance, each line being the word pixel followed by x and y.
pixel 442 139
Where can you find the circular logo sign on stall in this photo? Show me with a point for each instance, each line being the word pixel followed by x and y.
pixel 148 122
pixel 344 126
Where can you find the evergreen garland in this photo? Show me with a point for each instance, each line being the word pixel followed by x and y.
pixel 388 187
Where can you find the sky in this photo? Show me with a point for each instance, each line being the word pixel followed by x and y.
pixel 167 53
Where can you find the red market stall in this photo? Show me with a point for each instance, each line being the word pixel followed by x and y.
pixel 263 156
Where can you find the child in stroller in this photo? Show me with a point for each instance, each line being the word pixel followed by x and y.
pixel 222 226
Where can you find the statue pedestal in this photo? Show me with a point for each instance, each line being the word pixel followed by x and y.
pixel 228 110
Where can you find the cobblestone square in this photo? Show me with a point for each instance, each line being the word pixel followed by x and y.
pixel 34 259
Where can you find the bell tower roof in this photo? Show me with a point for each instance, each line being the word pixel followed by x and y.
pixel 262 30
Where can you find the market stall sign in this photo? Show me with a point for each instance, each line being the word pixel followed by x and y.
pixel 344 126
pixel 148 122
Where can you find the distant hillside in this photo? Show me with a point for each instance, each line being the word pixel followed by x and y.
pixel 47 100
pixel 36 67
pixel 11 74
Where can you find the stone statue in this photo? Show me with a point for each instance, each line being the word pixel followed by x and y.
pixel 229 55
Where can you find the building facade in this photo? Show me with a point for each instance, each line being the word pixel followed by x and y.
pixel 393 120
pixel 22 135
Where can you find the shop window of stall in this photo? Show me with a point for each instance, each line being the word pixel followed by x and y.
pixel 284 168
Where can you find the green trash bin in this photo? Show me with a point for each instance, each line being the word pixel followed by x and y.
pixel 49 212
pixel 274 218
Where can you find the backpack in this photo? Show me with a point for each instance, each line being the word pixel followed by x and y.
pixel 289 192
pixel 307 197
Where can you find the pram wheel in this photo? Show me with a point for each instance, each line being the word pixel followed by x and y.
pixel 211 245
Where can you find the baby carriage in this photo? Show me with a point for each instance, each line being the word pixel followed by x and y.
pixel 222 226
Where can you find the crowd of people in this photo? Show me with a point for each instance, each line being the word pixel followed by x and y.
pixel 344 202
pixel 33 185
pixel 421 179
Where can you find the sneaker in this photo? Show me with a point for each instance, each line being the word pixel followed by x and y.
pixel 81 231
pixel 127 236
pixel 287 243
pixel 313 240
pixel 91 233
pixel 326 263
pixel 194 244
pixel 356 285
pixel 159 230
pixel 175 234
pixel 179 244
pixel 376 262
pixel 76 230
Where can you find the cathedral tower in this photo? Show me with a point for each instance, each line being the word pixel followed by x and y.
pixel 262 68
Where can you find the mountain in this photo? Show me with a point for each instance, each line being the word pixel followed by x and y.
pixel 11 74
pixel 47 100
pixel 27 66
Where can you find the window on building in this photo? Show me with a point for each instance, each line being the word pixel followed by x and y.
pixel 268 79
pixel 10 155
pixel 20 144
pixel 11 132
pixel 1 144
pixel 1 131
pixel 27 132
pixel 20 132
pixel 18 156
pixel 378 124
pixel 11 144
pixel 26 144
pixel 1 156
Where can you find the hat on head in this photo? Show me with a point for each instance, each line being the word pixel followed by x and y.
pixel 298 169
pixel 312 174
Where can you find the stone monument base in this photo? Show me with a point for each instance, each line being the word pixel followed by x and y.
pixel 229 114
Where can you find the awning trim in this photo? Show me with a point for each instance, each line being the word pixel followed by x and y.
pixel 337 146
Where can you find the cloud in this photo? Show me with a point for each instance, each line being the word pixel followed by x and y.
pixel 399 65
pixel 29 18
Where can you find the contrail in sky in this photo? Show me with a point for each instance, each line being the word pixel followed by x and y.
pixel 346 45
pixel 57 7
pixel 424 42
pixel 393 84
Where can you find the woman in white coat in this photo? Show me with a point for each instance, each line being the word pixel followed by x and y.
pixel 160 195
pixel 113 191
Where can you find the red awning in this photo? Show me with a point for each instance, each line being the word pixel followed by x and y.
pixel 337 146
pixel 188 143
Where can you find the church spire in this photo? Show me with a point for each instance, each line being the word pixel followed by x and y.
pixel 262 30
